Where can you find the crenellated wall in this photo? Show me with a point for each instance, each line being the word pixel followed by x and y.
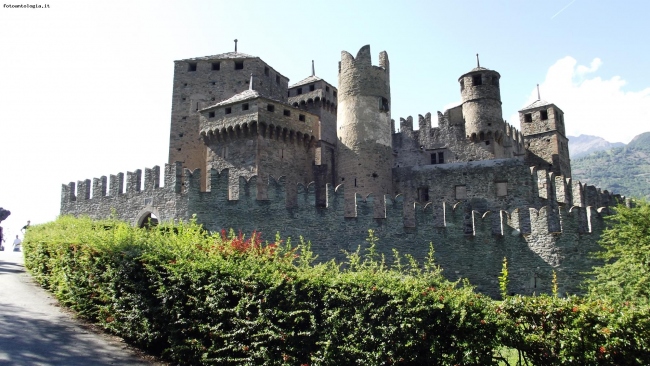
pixel 546 223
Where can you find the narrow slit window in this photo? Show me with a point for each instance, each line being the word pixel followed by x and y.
pixel 266 71
pixel 462 85
pixel 277 79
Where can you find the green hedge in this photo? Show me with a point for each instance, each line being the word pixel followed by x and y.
pixel 220 299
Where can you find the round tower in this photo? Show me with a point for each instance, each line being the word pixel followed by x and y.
pixel 481 98
pixel 365 153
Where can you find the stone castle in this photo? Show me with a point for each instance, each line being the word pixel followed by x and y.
pixel 249 151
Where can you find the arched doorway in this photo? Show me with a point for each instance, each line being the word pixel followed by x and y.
pixel 148 220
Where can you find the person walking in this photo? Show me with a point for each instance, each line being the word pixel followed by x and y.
pixel 16 246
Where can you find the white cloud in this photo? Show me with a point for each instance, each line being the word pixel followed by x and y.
pixel 593 105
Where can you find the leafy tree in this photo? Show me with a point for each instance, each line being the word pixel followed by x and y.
pixel 625 276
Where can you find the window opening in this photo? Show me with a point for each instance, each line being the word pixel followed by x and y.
pixel 216 66
pixel 477 80
pixel 312 88
pixel 495 81
pixel 543 115
pixel 239 65
pixel 299 91
pixel 191 66
pixel 277 79
pixel 462 85
pixel 266 71
pixel 270 107
pixel 334 93
pixel 211 114
pixel 528 117
pixel 327 89
pixel 228 110
pixel 301 117
pixel 441 157
pixel 384 105
pixel 244 107
pixel 423 194
pixel 287 112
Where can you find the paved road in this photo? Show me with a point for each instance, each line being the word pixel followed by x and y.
pixel 34 330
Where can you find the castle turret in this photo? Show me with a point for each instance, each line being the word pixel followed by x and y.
pixel 547 147
pixel 481 98
pixel 365 154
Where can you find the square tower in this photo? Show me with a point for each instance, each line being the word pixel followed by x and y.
pixel 547 147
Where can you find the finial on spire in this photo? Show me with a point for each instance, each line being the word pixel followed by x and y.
pixel 235 45
pixel 313 70
pixel 250 84
pixel 478 64
pixel 538 97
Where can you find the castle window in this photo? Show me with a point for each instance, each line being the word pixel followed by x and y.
pixel 487 142
pixel 334 93
pixel 277 79
pixel 312 88
pixel 495 81
pixel 244 107
pixel 211 114
pixel 543 115
pixel 502 189
pixel 441 157
pixel 216 66
pixel 287 112
pixel 191 66
pixel 224 152
pixel 383 106
pixel 423 194
pixel 299 91
pixel 528 117
pixel 477 80
pixel 228 110
pixel 270 107
pixel 266 71
pixel 239 65
pixel 462 85
pixel 327 89
pixel 301 117
pixel 461 192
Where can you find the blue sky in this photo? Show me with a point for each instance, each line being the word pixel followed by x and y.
pixel 85 86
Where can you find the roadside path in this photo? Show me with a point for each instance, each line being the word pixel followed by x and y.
pixel 34 330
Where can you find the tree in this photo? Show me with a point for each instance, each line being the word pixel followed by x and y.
pixel 625 276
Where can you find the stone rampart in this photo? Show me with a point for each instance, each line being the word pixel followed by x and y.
pixel 555 233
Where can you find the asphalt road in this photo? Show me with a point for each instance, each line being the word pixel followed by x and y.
pixel 35 331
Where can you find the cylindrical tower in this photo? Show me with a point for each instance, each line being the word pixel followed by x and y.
pixel 481 96
pixel 365 153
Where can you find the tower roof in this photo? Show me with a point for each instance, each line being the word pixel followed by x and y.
pixel 245 95
pixel 221 56
pixel 477 69
pixel 536 104
pixel 307 80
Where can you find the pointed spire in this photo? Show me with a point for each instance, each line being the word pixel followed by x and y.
pixel 538 97
pixel 478 64
pixel 250 84
pixel 313 70
pixel 235 45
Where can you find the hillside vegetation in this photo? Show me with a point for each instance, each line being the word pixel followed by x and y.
pixel 197 298
pixel 623 170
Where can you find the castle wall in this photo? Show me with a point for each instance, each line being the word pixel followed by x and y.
pixel 554 232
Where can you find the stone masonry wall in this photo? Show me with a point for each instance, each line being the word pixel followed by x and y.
pixel 470 241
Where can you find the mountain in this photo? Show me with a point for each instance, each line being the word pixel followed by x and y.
pixel 623 170
pixel 586 144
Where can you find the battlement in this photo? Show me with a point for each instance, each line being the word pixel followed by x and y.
pixel 363 78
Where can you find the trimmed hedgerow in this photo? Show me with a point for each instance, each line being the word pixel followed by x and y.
pixel 225 298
